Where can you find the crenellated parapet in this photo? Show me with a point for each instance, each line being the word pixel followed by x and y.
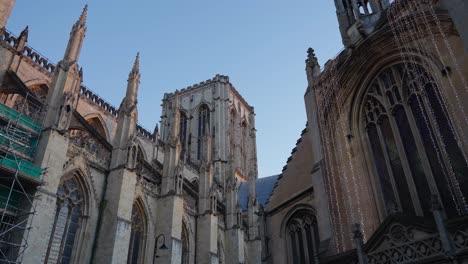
pixel 217 79
pixel 33 56
pixel 98 101
pixel 145 133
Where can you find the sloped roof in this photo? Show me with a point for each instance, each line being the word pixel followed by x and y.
pixel 263 188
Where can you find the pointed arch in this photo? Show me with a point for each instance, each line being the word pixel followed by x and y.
pixel 203 127
pixel 69 222
pixel 413 150
pixel 183 132
pixel 97 122
pixel 185 240
pixel 138 234
pixel 300 230
pixel 80 167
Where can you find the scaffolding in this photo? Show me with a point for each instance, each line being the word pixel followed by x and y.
pixel 20 129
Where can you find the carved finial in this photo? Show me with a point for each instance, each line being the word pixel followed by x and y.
pixel 311 58
pixel 24 33
pixel 82 20
pixel 156 129
pixel 22 39
pixel 136 68
pixel 81 73
pixel 312 67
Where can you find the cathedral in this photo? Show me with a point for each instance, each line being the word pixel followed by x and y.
pixel 378 174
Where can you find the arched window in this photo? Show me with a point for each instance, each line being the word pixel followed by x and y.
pixel 137 235
pixel 232 132
pixel 185 244
pixel 244 140
pixel 413 142
pixel 203 128
pixel 302 238
pixel 183 130
pixel 66 223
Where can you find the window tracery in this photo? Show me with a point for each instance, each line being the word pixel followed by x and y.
pixel 414 146
pixel 203 128
pixel 183 131
pixel 302 238
pixel 137 235
pixel 66 224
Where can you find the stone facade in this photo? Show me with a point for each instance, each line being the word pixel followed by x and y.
pixel 379 173
pixel 110 191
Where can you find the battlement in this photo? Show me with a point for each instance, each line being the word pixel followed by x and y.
pixel 33 56
pixel 217 79
pixel 96 99
pixel 145 133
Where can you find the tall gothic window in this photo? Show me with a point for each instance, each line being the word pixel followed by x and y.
pixel 185 244
pixel 183 129
pixel 413 142
pixel 203 128
pixel 232 132
pixel 137 235
pixel 68 215
pixel 244 147
pixel 302 238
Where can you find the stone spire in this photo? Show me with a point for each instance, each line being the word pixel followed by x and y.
pixel 156 133
pixel 77 35
pixel 82 20
pixel 135 73
pixel 133 84
pixel 22 39
pixel 312 66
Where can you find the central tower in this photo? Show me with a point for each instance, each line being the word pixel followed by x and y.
pixel 214 108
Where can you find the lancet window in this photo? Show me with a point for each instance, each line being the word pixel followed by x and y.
pixel 185 244
pixel 137 235
pixel 302 238
pixel 414 145
pixel 66 223
pixel 203 128
pixel 183 130
pixel 244 147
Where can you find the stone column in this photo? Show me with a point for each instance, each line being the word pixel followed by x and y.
pixel 207 238
pixel 169 223
pixel 51 154
pixel 114 237
pixel 234 253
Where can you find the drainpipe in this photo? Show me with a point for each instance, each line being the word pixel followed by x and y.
pixel 439 218
pixel 358 239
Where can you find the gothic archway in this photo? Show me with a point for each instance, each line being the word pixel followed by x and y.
pixel 414 148
pixel 136 250
pixel 67 221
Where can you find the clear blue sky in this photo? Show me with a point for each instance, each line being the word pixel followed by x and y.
pixel 261 45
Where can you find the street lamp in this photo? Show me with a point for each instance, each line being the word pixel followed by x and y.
pixel 163 246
